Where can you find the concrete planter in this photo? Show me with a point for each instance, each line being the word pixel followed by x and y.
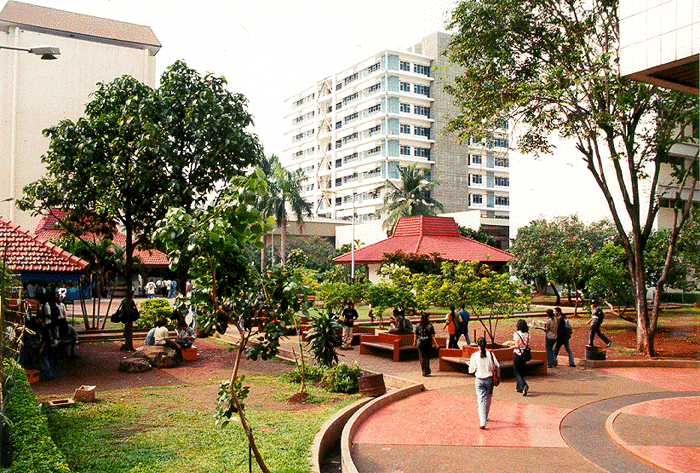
pixel 499 351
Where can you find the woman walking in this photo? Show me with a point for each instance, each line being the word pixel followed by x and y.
pixel 483 364
pixel 521 342
pixel 453 324
pixel 424 339
pixel 563 336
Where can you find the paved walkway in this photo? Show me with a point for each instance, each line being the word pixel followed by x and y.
pixel 617 420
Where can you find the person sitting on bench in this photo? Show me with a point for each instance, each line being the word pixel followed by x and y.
pixel 400 324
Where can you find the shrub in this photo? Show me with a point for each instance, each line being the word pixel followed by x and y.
pixel 342 378
pixel 33 448
pixel 153 310
pixel 680 297
pixel 324 337
pixel 313 374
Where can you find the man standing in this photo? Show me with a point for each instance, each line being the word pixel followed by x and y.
pixel 464 314
pixel 349 315
pixel 595 323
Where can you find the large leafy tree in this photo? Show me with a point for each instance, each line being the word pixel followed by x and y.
pixel 106 168
pixel 410 199
pixel 553 66
pixel 205 139
pixel 284 199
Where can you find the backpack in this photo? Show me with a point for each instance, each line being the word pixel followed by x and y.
pixel 598 312
pixel 423 333
pixel 527 353
pixel 567 327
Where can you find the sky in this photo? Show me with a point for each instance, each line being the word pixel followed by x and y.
pixel 270 50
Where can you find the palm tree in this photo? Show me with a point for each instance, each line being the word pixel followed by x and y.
pixel 411 199
pixel 284 196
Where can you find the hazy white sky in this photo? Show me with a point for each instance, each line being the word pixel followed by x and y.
pixel 269 50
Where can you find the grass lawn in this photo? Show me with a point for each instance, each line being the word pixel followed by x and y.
pixel 157 429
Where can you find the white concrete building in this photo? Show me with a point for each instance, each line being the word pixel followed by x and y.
pixel 660 45
pixel 36 94
pixel 354 130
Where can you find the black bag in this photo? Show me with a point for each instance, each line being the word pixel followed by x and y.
pixel 117 316
pixel 527 354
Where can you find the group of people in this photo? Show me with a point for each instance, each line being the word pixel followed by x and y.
pixel 457 324
pixel 159 335
pixel 49 337
pixel 164 288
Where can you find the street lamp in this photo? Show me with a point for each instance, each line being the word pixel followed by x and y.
pixel 47 53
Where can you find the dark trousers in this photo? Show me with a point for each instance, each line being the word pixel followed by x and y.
pixel 424 357
pixel 519 369
pixel 453 340
pixel 595 329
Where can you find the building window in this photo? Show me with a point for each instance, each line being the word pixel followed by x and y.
pixel 372 68
pixel 474 159
pixel 339 105
pixel 502 200
pixel 500 142
pixel 374 109
pixel 405 87
pixel 421 89
pixel 351 78
pixel 405 66
pixel 405 129
pixel 405 107
pixel 502 162
pixel 338 182
pixel 421 69
pixel 477 178
pixel 421 110
pixel 422 152
pixel 338 163
pixel 350 117
pixel 405 150
pixel 502 181
pixel 421 131
pixel 477 199
pixel 338 125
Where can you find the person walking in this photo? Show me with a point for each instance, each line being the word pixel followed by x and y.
pixel 424 339
pixel 453 324
pixel 349 315
pixel 597 317
pixel 521 342
pixel 465 316
pixel 564 333
pixel 550 340
pixel 482 365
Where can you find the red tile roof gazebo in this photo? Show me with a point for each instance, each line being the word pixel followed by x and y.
pixel 426 235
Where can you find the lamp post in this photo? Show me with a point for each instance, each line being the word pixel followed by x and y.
pixel 47 53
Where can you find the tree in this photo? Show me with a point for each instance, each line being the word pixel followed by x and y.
pixel 411 199
pixel 478 235
pixel 284 195
pixel 228 291
pixel 205 143
pixel 553 66
pixel 106 170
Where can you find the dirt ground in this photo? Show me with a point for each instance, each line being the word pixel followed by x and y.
pixel 98 365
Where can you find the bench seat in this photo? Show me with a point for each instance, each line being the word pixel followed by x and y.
pixel 394 346
pixel 452 360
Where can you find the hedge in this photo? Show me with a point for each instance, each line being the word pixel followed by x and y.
pixel 33 450
pixel 681 297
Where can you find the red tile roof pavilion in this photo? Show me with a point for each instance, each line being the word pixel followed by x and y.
pixel 425 235
pixel 23 252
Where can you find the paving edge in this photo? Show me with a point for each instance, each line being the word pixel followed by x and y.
pixel 617 440
pixel 347 465
pixel 592 364
pixel 330 432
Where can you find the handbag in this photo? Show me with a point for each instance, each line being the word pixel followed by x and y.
pixel 496 372
pixel 527 353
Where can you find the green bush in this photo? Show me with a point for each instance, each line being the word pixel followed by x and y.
pixel 153 310
pixel 33 448
pixel 324 337
pixel 313 374
pixel 342 378
pixel 680 297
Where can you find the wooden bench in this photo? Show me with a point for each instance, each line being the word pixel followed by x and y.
pixel 357 332
pixel 392 345
pixel 457 360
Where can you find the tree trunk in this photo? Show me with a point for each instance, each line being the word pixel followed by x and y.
pixel 263 254
pixel 283 241
pixel 129 299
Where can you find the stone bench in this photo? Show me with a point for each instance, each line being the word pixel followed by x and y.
pixel 392 345
pixel 457 360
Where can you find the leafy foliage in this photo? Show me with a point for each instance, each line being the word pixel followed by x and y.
pixel 335 294
pixel 553 67
pixel 478 235
pixel 609 277
pixel 415 263
pixel 342 378
pixel 411 199
pixel 324 338
pixel 153 310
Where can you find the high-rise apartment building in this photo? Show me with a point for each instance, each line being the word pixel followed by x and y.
pixel 352 131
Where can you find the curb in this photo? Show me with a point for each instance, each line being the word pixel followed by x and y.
pixel 330 432
pixel 361 415
pixel 593 364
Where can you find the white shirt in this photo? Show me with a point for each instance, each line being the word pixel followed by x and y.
pixel 482 367
pixel 161 335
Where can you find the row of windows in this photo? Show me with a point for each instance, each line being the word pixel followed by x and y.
pixel 405 150
pixel 498 200
pixel 488 142
pixel 304 152
pixel 303 135
pixel 356 75
pixel 356 95
pixel 417 109
pixel 417 68
pixel 499 181
pixel 478 159
pixel 417 88
pixel 354 116
pixel 304 100
pixel 417 130
pixel 303 118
